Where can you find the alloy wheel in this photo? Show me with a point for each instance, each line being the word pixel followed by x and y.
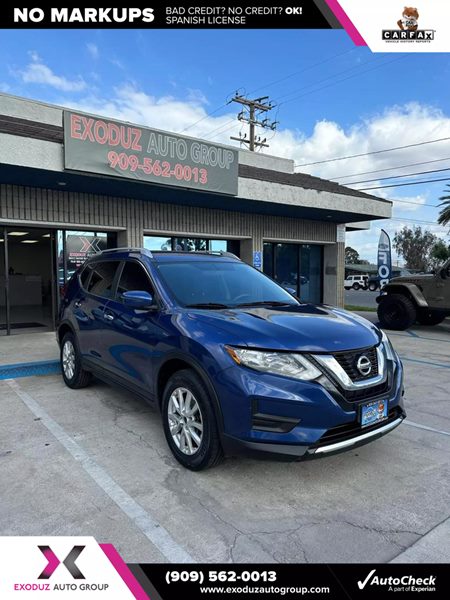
pixel 68 360
pixel 185 421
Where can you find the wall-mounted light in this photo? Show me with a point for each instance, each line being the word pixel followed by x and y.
pixel 46 235
pixel 29 241
pixel 18 233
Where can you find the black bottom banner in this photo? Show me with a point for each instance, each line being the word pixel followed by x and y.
pixel 333 581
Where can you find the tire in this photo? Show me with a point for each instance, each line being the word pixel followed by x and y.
pixel 397 312
pixel 429 317
pixel 74 375
pixel 356 286
pixel 194 454
pixel 373 287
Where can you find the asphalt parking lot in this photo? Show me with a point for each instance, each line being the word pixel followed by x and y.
pixel 95 462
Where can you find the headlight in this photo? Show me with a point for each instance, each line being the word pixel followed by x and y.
pixel 278 363
pixel 388 349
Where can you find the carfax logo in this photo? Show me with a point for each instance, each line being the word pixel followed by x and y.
pixel 408 29
pixel 405 583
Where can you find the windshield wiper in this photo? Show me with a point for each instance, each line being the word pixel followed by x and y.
pixel 211 305
pixel 265 303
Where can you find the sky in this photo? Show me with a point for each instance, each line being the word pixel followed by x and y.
pixel 331 99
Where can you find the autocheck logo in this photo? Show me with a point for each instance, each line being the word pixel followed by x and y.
pixel 84 15
pixel 408 28
pixel 404 583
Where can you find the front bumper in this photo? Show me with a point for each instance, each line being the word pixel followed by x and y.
pixel 309 421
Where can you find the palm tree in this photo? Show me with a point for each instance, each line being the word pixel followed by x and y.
pixel 444 215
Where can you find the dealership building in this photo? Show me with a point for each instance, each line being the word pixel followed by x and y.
pixel 72 184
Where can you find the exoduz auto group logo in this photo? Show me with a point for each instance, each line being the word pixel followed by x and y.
pixel 408 30
pixel 403 583
pixel 77 566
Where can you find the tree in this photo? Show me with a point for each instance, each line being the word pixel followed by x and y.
pixel 415 246
pixel 444 215
pixel 440 252
pixel 351 256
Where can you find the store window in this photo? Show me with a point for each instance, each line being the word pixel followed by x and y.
pixel 296 267
pixel 190 244
pixel 152 242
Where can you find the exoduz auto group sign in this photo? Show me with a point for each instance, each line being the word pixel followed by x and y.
pixel 108 147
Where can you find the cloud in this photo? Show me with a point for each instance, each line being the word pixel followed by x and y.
pixel 38 72
pixel 395 126
pixel 93 50
pixel 129 103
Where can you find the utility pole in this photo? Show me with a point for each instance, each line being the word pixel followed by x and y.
pixel 252 109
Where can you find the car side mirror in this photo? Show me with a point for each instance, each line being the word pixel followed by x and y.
pixel 138 299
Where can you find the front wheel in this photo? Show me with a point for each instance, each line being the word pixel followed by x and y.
pixel 372 287
pixel 355 286
pixel 429 317
pixel 189 422
pixel 396 311
pixel 73 374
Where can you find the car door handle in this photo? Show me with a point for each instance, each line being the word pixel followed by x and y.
pixel 109 317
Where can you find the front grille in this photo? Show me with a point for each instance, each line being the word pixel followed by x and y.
pixel 353 429
pixel 348 361
pixel 367 393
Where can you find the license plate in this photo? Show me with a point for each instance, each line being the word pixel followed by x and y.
pixel 374 412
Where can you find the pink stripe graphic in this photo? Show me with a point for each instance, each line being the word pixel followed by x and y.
pixel 343 19
pixel 128 577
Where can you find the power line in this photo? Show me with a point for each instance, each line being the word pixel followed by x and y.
pixel 427 162
pixel 418 221
pixel 399 176
pixel 345 79
pixel 321 162
pixel 322 62
pixel 382 187
pixel 334 76
pixel 416 203
pixel 207 134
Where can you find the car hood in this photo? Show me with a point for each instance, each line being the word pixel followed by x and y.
pixel 306 328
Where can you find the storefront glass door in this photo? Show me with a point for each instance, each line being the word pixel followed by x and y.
pixel 297 267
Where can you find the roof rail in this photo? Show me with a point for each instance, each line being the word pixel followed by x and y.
pixel 206 252
pixel 151 253
pixel 125 249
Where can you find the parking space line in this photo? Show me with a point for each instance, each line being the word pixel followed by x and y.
pixel 152 530
pixel 419 426
pixel 425 362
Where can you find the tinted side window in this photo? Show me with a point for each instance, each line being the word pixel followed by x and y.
pixel 134 277
pixel 84 277
pixel 102 278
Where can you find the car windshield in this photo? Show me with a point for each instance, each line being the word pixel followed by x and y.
pixel 220 284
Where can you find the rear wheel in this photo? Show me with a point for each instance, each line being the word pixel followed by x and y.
pixel 429 317
pixel 396 311
pixel 73 374
pixel 189 422
pixel 356 286
pixel 373 286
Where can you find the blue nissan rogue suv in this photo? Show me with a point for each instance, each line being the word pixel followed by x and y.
pixel 231 359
